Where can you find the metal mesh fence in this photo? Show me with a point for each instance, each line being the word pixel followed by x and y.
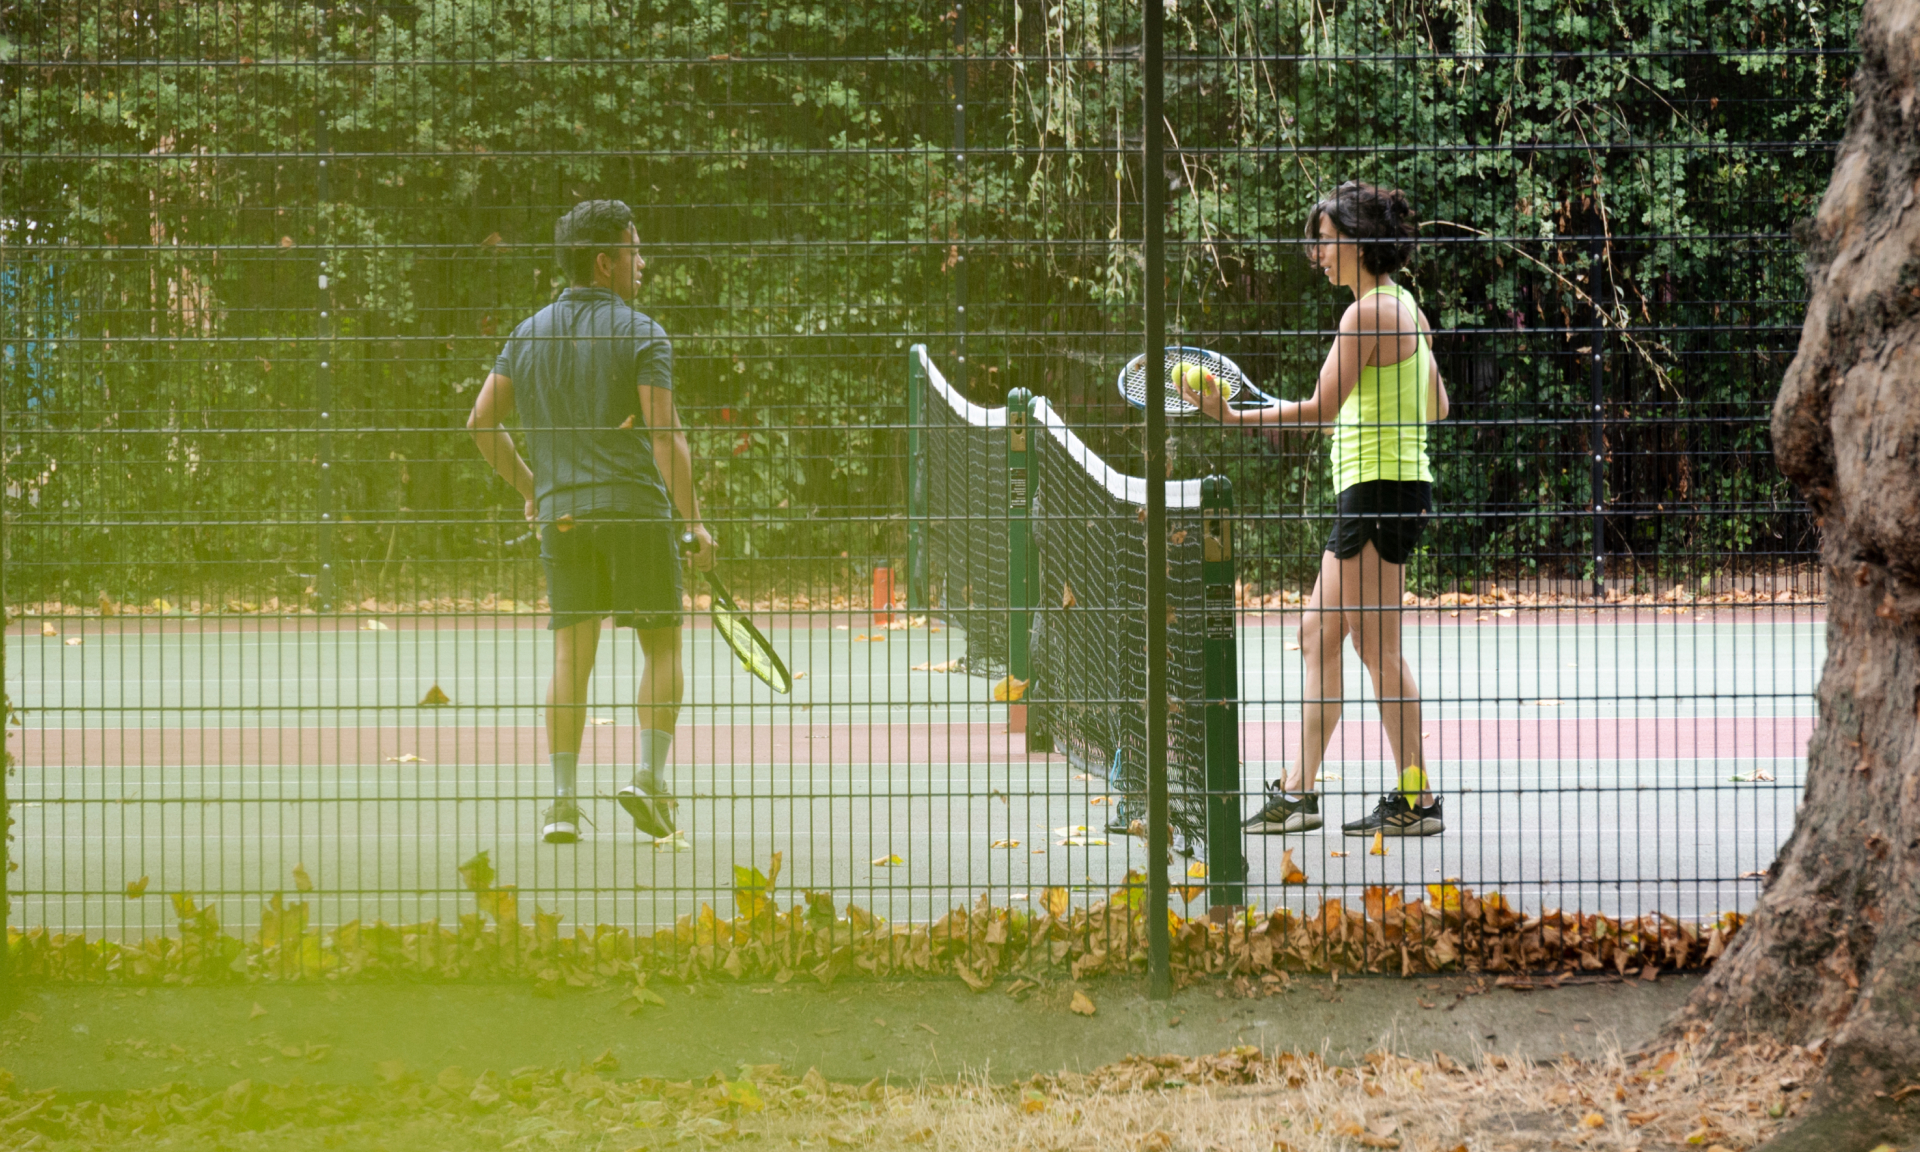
pixel 276 635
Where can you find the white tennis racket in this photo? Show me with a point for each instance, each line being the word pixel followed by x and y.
pixel 1239 390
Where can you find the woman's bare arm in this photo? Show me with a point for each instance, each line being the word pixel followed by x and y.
pixel 1353 348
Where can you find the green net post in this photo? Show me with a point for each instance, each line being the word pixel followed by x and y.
pixel 1226 860
pixel 916 479
pixel 1019 534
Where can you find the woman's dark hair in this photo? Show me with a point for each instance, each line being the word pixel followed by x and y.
pixel 1381 219
pixel 588 229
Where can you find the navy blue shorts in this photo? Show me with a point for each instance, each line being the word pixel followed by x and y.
pixel 612 564
pixel 1391 513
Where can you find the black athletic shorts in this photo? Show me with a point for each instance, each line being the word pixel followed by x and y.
pixel 1391 513
pixel 612 564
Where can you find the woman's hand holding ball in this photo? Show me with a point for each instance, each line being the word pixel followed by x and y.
pixel 1202 389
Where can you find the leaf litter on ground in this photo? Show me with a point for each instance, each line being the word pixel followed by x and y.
pixel 1673 1096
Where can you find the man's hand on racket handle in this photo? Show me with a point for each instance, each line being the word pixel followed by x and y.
pixel 698 544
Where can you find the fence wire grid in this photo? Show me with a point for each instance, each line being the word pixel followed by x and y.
pixel 276 643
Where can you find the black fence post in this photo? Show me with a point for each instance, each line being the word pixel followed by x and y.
pixel 323 377
pixel 916 479
pixel 1597 433
pixel 960 201
pixel 1019 545
pixel 1226 858
pixel 1154 187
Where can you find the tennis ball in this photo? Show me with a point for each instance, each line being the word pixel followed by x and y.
pixel 1210 384
pixel 1191 376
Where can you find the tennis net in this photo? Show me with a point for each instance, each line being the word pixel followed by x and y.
pixel 1087 674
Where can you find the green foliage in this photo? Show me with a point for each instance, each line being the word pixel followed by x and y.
pixel 805 220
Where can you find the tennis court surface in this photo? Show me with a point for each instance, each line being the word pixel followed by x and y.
pixel 1615 761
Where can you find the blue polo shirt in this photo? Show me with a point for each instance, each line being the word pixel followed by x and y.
pixel 575 365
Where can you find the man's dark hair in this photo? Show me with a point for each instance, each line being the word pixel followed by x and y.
pixel 1381 219
pixel 588 229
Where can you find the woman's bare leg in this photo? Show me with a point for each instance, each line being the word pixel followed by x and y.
pixel 1322 632
pixel 1374 620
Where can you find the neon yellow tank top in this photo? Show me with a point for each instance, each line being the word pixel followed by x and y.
pixel 1381 432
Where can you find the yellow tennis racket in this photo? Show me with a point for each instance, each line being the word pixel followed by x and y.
pixel 756 654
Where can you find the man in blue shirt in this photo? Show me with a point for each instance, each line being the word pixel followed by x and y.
pixel 610 474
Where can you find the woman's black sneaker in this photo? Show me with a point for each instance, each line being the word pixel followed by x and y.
pixel 1395 816
pixel 1283 814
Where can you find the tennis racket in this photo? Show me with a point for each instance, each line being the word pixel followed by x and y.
pixel 756 655
pixel 1240 390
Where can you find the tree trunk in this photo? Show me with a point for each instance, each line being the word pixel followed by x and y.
pixel 1832 954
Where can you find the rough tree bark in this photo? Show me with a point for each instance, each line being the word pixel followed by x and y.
pixel 1832 953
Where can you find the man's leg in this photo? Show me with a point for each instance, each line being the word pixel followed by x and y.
pixel 574 649
pixel 649 797
pixel 662 683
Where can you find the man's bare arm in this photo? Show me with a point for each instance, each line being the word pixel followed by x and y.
pixel 490 409
pixel 674 458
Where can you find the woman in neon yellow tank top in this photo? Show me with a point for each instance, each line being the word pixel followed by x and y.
pixel 1377 391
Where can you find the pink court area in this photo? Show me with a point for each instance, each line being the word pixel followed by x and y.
pixel 824 744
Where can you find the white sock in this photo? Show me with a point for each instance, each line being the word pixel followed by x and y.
pixel 656 750
pixel 565 767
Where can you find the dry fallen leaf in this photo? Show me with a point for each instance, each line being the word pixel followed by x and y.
pixel 1549 702
pixel 603 721
pixel 1081 1004
pixel 302 881
pixel 477 872
pixel 404 758
pixel 47 628
pixel 1070 830
pixel 1056 901
pixel 1291 873
pixel 1081 841
pixel 1009 689
pixel 1067 599
pixel 1593 1120
pixel 136 888
pixel 1101 800
pixel 892 860
pixel 374 626
pixel 1379 845
pixel 1197 870
pixel 799 675
pixel 1006 843
pixel 73 641
pixel 1338 855
pixel 434 698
